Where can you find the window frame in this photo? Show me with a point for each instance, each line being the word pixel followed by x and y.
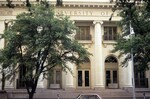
pixel 109 33
pixel 83 35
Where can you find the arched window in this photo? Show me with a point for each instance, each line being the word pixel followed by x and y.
pixel 111 67
pixel 111 59
pixel 86 64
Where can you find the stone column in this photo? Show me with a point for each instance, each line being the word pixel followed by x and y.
pixel 40 82
pixel 129 71
pixel 99 64
pixel 2 27
pixel 125 74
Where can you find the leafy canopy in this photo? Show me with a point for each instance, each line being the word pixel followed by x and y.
pixel 139 18
pixel 39 40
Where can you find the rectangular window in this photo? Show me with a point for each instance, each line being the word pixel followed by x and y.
pixel 83 33
pixel 58 77
pixel 110 33
pixel 114 76
pixel 108 79
pixel 80 78
pixel 87 78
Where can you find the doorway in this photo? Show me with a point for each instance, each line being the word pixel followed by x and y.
pixel 55 78
pixel 111 72
pixel 21 79
pixel 83 74
pixel 111 77
pixel 84 78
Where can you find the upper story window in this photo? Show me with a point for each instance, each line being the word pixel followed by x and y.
pixel 110 32
pixel 83 33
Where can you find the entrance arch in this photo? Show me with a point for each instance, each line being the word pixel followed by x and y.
pixel 111 72
pixel 83 74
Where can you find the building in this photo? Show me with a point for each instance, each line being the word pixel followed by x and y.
pixel 98 34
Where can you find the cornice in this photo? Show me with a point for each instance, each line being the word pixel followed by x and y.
pixel 65 4
pixel 88 4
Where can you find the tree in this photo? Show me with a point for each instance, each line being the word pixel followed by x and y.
pixel 39 40
pixel 137 15
pixel 6 67
pixel 5 63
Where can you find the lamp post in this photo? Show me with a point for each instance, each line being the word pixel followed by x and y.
pixel 129 4
pixel 132 64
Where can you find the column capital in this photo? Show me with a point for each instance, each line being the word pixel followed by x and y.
pixel 97 21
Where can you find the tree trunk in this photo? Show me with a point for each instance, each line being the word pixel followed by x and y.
pixel 3 80
pixel 31 95
pixel 30 91
pixel 33 88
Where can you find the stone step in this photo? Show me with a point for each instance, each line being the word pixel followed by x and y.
pixel 90 98
pixel 72 94
pixel 124 98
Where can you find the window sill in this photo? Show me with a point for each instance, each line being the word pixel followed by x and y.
pixel 85 41
pixel 109 42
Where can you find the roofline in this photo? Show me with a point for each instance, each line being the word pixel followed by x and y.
pixel 65 4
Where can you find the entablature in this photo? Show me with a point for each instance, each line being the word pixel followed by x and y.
pixel 21 3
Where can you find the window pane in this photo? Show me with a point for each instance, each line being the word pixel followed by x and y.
pixel 114 76
pixel 51 77
pixel 83 33
pixel 107 77
pixel 58 77
pixel 110 33
pixel 79 78
pixel 87 78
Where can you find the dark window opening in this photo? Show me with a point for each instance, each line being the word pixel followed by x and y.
pixel 111 59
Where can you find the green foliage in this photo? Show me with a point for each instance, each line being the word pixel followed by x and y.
pixel 138 17
pixel 39 40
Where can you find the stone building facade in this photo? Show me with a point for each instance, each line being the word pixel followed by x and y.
pixel 98 34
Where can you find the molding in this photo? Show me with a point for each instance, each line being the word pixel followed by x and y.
pixel 109 42
pixel 73 4
pixel 87 4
